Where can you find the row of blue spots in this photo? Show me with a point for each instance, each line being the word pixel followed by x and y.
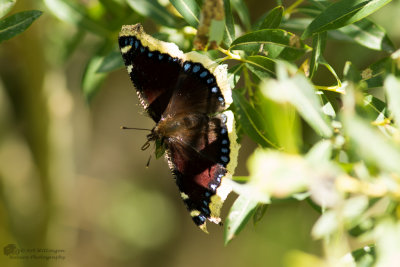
pixel 210 80
pixel 224 142
pixel 199 220
pixel 196 68
pixel 203 74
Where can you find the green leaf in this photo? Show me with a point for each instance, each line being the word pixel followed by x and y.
pixel 275 42
pixel 189 9
pixel 296 24
pixel 298 91
pixel 342 13
pixel 319 42
pixel 152 9
pixel 278 175
pixel 321 151
pixel 368 34
pixel 92 80
pixel 112 61
pixel 6 6
pixel 261 66
pixel 372 145
pixel 260 211
pixel 251 121
pixel 326 225
pixel 229 35
pixel 273 19
pixel 364 32
pixel 234 74
pixel 366 255
pixel 17 23
pixel 351 73
pixel 160 149
pixel 376 106
pixel 239 214
pixel 282 123
pixel 322 61
pixel 243 12
pixel 392 87
pixel 71 12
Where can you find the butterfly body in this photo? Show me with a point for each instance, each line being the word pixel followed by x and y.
pixel 187 96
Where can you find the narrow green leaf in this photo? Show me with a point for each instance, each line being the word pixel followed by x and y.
pixel 160 149
pixel 261 66
pixel 243 12
pixel 321 151
pixel 372 145
pixel 375 106
pixel 282 122
pixel 275 42
pixel 152 9
pixel 251 121
pixel 319 41
pixel 306 102
pixel 342 13
pixel 112 61
pixel 17 23
pixel 229 35
pixel 296 24
pixel 364 32
pixel 234 74
pixel 276 174
pixel 365 254
pixel 6 6
pixel 239 214
pixel 368 34
pixel 392 87
pixel 92 80
pixel 189 9
pixel 259 213
pixel 351 73
pixel 320 4
pixel 298 91
pixel 71 12
pixel 322 61
pixel 273 19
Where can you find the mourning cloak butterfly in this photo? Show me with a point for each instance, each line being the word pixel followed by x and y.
pixel 187 96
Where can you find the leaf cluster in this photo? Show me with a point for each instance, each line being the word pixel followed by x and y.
pixel 334 146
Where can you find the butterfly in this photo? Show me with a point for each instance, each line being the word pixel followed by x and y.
pixel 187 95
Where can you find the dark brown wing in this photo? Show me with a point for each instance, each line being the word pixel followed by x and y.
pixel 195 92
pixel 163 80
pixel 154 74
pixel 198 157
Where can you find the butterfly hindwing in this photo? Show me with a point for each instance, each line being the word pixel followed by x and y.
pixel 199 159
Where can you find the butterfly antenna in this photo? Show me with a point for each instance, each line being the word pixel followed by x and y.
pixel 148 162
pixel 134 128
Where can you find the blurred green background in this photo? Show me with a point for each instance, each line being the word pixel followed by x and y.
pixel 71 180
